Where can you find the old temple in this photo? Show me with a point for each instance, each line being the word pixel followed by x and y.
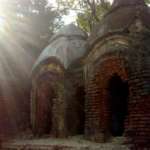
pixel 96 86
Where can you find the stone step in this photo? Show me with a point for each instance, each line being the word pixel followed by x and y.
pixel 60 144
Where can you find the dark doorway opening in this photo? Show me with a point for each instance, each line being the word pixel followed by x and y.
pixel 80 96
pixel 118 99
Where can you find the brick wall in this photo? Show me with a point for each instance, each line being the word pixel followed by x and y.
pixel 97 106
pixel 138 126
pixel 131 64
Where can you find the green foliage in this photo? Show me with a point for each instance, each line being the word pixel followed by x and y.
pixel 147 2
pixel 89 12
pixel 87 20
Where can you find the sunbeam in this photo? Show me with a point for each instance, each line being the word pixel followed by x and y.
pixel 2 23
pixel 16 59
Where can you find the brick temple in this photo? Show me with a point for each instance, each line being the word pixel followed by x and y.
pixel 97 86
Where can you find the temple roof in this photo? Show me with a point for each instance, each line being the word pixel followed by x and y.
pixel 69 30
pixel 120 17
pixel 118 3
pixel 67 45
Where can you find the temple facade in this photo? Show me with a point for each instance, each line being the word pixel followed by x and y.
pixel 58 85
pixel 96 86
pixel 100 86
pixel 117 75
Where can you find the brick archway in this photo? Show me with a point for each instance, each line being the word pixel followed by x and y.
pixel 48 100
pixel 118 93
pixel 106 71
pixel 47 114
pixel 98 113
pixel 45 95
pixel 44 103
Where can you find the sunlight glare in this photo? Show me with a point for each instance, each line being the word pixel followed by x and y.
pixel 71 16
pixel 2 23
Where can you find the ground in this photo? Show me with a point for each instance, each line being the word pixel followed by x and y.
pixel 71 143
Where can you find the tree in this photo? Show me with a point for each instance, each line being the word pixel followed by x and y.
pixel 39 18
pixel 147 2
pixel 92 14
pixel 32 21
pixel 89 12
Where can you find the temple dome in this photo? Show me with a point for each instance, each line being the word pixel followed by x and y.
pixel 118 3
pixel 69 30
pixel 122 15
pixel 67 45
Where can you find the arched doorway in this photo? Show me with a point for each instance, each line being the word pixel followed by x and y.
pixel 44 105
pixel 80 97
pixel 118 90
